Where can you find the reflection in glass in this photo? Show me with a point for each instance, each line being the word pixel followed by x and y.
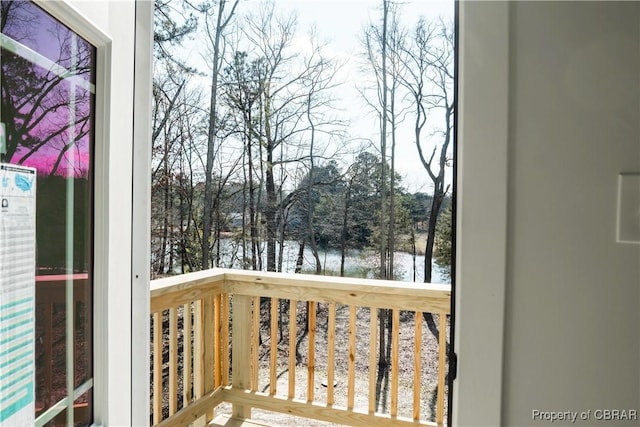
pixel 47 106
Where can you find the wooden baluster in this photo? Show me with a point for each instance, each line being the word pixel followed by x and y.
pixel 217 340
pixel 442 355
pixel 311 365
pixel 208 346
pixel 352 358
pixel 255 347
pixel 225 339
pixel 293 320
pixel 373 345
pixel 417 365
pixel 157 367
pixel 241 350
pixel 186 352
pixel 173 360
pixel 331 353
pixel 204 339
pixel 273 356
pixel 198 351
pixel 395 354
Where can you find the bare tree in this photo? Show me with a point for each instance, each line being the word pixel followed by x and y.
pixel 222 18
pixel 242 84
pixel 175 131
pixel 428 61
pixel 287 81
pixel 376 51
pixel 376 41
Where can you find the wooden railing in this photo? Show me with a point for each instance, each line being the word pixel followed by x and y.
pixel 51 312
pixel 202 320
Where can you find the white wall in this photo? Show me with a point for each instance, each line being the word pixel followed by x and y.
pixel 572 294
pixel 572 336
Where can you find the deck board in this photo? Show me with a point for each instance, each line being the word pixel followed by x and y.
pixel 227 421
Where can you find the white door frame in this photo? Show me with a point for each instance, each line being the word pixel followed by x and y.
pixel 481 241
pixel 122 32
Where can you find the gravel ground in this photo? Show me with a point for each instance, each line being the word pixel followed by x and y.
pixel 406 361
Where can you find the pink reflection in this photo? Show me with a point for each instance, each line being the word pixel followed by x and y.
pixel 61 277
pixel 71 164
pixel 47 117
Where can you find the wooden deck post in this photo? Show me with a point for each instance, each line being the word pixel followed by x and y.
pixel 241 350
pixel 206 323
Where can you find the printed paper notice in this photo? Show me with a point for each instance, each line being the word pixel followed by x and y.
pixel 17 294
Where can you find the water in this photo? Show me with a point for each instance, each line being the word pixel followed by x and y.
pixel 358 263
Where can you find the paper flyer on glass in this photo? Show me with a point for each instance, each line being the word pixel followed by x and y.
pixel 17 294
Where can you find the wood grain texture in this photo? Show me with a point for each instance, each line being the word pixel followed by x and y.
pixel 187 319
pixel 177 290
pixel 207 347
pixel 373 345
pixel 324 289
pixel 273 353
pixel 293 322
pixel 331 353
pixel 217 340
pixel 395 357
pixel 417 364
pixel 317 411
pixel 351 376
pixel 311 361
pixel 224 338
pixel 255 343
pixel 173 291
pixel 173 361
pixel 157 367
pixel 241 350
pixel 209 292
pixel 198 350
pixel 195 410
pixel 442 356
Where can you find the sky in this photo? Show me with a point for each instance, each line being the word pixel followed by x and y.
pixel 42 39
pixel 340 24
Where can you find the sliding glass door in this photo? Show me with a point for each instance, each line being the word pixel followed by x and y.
pixel 47 110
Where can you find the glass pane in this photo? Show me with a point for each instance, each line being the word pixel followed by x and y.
pixel 48 108
pixel 82 409
pixel 33 28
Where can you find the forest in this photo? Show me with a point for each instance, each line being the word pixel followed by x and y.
pixel 255 151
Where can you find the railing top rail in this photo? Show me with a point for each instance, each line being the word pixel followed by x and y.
pixel 175 290
pixel 181 281
pixel 313 280
pixel 353 291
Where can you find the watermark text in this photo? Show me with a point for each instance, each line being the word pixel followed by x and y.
pixel 591 414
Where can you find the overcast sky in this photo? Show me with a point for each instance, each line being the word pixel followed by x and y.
pixel 340 23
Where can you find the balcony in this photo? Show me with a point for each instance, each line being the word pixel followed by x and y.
pixel 221 347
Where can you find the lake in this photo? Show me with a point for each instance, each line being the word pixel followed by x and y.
pixel 358 263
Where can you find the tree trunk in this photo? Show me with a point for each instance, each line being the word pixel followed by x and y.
pixel 392 191
pixel 343 236
pixel 271 212
pixel 383 147
pixel 310 205
pixel 436 203
pixel 211 133
pixel 165 219
pixel 382 350
pixel 300 259
pixel 253 229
